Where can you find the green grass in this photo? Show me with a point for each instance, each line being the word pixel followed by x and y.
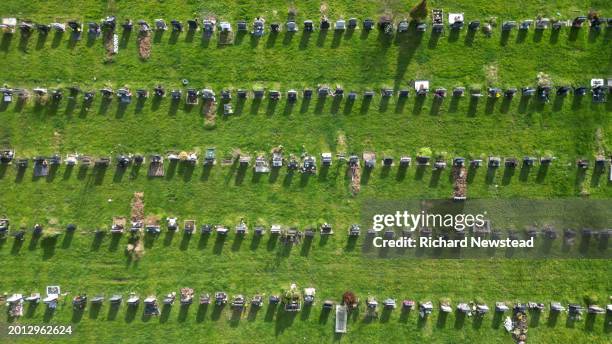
pixel 224 195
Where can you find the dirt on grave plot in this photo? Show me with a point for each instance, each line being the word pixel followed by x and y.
pixel 355 179
pixel 139 250
pixel 323 9
pixel 460 184
pixel 136 248
pixel 144 45
pixel 210 114
pixel 341 146
pixel 491 73
pixel 137 207
pixel 109 44
pixel 519 332
pixel 152 220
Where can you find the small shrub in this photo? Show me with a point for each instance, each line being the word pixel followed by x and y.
pixel 292 12
pixel 445 300
pixel 349 298
pixel 419 12
pixel 591 299
pixel 424 151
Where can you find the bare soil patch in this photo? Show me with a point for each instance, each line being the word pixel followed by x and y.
pixel 144 45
